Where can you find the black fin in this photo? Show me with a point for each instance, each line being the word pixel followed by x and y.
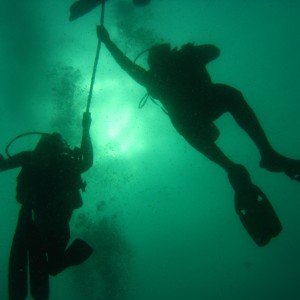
pixel 257 215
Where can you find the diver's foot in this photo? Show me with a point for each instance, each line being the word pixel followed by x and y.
pixel 279 163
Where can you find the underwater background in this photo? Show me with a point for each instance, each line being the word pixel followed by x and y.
pixel 159 215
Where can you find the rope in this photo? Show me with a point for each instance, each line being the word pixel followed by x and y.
pixel 95 62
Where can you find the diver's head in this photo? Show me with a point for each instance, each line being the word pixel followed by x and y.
pixel 141 2
pixel 159 57
pixel 51 145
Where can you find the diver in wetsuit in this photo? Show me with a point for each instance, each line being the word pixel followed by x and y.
pixel 48 187
pixel 180 81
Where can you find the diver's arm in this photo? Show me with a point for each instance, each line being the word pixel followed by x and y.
pixel 14 161
pixel 139 74
pixel 86 144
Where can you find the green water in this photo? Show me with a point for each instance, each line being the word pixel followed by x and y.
pixel 159 215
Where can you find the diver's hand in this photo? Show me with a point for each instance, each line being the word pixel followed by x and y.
pixel 86 121
pixel 103 34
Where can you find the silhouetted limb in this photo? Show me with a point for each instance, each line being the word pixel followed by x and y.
pixel 76 254
pixel 228 99
pixel 38 267
pixel 18 263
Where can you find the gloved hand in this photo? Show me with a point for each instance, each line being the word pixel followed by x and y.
pixel 86 120
pixel 103 34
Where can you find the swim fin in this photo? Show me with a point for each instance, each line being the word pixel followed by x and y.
pixel 253 207
pixel 78 252
pixel 257 215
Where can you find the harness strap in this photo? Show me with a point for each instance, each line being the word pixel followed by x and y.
pixel 144 100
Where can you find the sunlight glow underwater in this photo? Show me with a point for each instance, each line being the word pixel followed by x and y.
pixel 117 131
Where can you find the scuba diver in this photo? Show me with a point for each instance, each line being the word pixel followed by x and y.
pixel 178 78
pixel 82 7
pixel 48 187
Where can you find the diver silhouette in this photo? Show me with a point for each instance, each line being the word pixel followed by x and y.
pixel 180 81
pixel 48 187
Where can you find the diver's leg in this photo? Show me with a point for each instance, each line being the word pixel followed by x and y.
pixel 17 274
pixel 198 138
pixel 214 153
pixel 237 174
pixel 59 256
pixel 251 204
pixel 235 104
pixel 57 241
pixel 59 259
pixel 38 266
